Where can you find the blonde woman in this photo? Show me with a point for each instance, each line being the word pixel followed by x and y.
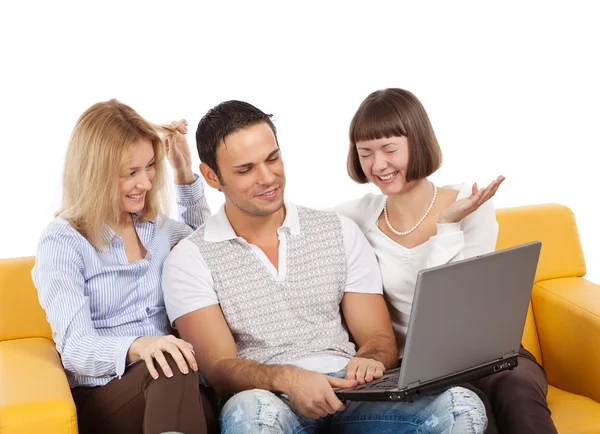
pixel 98 272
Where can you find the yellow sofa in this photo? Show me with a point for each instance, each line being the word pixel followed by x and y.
pixel 563 325
pixel 562 331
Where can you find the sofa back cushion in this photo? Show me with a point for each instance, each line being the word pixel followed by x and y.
pixel 21 315
pixel 555 227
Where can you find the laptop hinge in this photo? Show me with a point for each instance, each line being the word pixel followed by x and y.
pixel 509 355
pixel 413 385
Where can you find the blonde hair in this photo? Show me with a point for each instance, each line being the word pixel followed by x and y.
pixel 99 146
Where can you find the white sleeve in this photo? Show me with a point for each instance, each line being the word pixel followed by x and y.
pixel 481 231
pixel 359 210
pixel 187 281
pixel 363 270
pixel 475 235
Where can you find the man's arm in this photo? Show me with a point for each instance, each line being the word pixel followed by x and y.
pixel 207 331
pixel 193 304
pixel 309 392
pixel 369 323
pixel 364 309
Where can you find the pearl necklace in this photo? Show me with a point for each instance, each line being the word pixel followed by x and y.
pixel 389 225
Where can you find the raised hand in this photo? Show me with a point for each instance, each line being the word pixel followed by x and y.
pixel 463 207
pixel 178 152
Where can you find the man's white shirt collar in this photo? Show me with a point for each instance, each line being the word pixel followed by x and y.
pixel 219 229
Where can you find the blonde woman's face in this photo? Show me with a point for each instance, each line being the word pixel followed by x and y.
pixel 136 177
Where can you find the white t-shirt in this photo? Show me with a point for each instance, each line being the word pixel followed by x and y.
pixel 475 235
pixel 188 284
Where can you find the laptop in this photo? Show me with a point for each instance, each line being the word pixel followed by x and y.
pixel 466 322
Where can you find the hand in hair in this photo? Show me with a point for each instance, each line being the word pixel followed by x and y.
pixel 463 207
pixel 178 151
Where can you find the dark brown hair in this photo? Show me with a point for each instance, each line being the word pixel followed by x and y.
pixel 393 113
pixel 223 120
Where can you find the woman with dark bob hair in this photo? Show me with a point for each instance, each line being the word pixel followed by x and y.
pixel 414 224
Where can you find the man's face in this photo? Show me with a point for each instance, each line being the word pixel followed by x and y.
pixel 252 173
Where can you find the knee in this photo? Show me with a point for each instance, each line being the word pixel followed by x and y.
pixel 516 384
pixel 250 410
pixel 178 381
pixel 467 409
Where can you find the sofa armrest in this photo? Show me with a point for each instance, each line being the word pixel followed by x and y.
pixel 567 315
pixel 34 392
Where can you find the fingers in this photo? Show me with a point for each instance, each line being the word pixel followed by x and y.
pixel 148 359
pixel 327 402
pixel 364 370
pixel 162 362
pixel 333 402
pixel 370 373
pixel 181 126
pixel 351 369
pixel 379 371
pixel 491 189
pixel 185 355
pixel 361 372
pixel 342 383
pixel 181 351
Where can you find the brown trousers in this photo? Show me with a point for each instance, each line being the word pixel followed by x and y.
pixel 515 401
pixel 137 403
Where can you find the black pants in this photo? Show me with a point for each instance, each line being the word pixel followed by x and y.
pixel 515 401
pixel 137 404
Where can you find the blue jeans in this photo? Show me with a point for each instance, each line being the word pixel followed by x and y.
pixel 456 410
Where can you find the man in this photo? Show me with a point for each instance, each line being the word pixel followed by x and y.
pixel 260 290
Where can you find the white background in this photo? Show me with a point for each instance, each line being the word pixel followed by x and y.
pixel 511 88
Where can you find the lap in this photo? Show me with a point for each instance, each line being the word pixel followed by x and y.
pixel 528 375
pixel 127 396
pixel 273 413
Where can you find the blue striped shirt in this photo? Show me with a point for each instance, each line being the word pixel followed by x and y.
pixel 98 303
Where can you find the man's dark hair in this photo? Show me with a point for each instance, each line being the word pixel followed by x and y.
pixel 223 120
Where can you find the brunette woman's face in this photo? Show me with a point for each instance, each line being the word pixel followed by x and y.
pixel 385 162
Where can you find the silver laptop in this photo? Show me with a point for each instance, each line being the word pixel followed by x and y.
pixel 466 323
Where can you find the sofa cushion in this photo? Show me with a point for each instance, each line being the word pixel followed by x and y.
pixel 35 395
pixel 573 414
pixel 21 315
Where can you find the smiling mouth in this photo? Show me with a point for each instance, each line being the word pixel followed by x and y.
pixel 135 196
pixel 387 178
pixel 269 193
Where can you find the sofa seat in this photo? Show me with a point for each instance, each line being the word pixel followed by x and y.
pixel 573 414
pixel 34 398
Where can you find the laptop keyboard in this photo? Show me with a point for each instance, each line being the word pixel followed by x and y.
pixel 386 383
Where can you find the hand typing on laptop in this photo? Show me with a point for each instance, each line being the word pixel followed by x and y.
pixel 364 370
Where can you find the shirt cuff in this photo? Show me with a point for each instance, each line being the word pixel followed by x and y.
pixel 448 228
pixel 121 354
pixel 189 193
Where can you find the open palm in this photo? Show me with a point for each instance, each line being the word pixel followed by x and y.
pixel 463 207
